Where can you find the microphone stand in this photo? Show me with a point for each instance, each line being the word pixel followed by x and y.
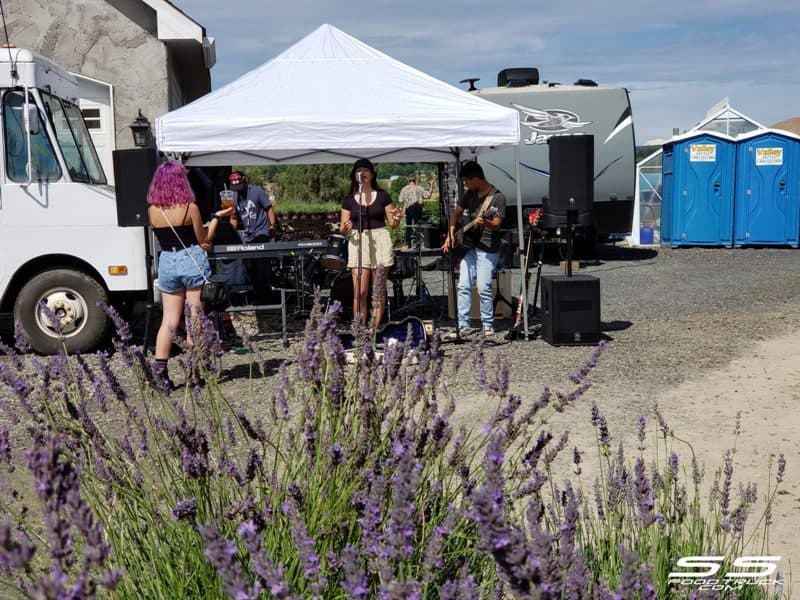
pixel 360 246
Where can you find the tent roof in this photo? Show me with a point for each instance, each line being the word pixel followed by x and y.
pixel 328 99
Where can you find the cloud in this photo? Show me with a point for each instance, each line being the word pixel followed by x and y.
pixel 676 58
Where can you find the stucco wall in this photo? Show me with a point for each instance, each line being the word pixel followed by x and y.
pixel 113 41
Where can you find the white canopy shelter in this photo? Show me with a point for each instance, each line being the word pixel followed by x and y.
pixel 329 99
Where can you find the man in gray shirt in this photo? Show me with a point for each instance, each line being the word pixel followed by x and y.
pixel 411 197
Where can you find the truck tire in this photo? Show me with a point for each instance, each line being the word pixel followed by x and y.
pixel 73 297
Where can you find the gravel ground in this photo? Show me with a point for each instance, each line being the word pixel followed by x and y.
pixel 669 314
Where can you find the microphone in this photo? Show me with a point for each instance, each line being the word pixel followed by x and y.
pixel 358 177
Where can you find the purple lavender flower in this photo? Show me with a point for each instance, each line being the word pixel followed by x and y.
pixel 781 467
pixel 66 513
pixel 644 495
pixel 576 460
pixel 355 579
pixel 641 423
pixel 15 554
pixel 271 576
pixel 725 492
pixel 401 529
pixel 5 445
pixel 221 553
pixel 673 467
pixel 337 454
pixel 185 510
pixel 304 543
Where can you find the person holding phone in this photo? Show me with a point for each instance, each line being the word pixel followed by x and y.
pixel 182 263
pixel 366 211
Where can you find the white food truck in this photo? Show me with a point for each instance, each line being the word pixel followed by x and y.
pixel 61 249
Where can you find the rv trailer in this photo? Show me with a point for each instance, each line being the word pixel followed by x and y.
pixel 547 110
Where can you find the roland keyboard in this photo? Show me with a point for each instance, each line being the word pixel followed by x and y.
pixel 267 249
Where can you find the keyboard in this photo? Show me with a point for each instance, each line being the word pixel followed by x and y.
pixel 268 249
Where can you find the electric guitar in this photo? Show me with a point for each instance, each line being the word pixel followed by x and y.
pixel 458 235
pixel 533 222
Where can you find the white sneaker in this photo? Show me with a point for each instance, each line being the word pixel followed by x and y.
pixel 467 333
pixel 489 333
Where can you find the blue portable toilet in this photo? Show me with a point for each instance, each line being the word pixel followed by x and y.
pixel 767 200
pixel 697 195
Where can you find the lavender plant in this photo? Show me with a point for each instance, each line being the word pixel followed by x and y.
pixel 351 481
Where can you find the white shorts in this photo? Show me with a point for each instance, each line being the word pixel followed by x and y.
pixel 376 250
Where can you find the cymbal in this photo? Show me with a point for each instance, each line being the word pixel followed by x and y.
pixel 423 225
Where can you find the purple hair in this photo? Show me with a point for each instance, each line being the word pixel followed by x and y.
pixel 170 186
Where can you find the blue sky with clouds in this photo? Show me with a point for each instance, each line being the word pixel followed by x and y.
pixel 676 58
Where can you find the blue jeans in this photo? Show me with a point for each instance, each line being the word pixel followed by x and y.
pixel 178 269
pixel 477 266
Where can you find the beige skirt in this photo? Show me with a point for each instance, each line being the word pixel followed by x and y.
pixel 376 249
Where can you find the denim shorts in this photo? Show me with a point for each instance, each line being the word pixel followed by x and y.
pixel 178 272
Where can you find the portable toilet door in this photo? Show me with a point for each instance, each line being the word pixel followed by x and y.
pixel 698 178
pixel 767 202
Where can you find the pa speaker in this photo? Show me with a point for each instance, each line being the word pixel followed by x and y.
pixel 133 171
pixel 570 310
pixel 571 173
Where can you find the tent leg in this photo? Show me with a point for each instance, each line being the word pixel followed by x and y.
pixel 521 244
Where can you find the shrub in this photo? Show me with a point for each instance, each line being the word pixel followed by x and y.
pixel 353 480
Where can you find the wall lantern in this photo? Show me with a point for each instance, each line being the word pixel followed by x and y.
pixel 141 130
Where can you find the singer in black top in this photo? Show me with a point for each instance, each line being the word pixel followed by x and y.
pixel 366 210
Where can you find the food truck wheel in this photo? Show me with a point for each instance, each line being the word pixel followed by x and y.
pixel 71 298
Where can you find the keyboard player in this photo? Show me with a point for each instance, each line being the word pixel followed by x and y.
pixel 255 219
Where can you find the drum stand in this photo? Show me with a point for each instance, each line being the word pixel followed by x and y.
pixel 422 298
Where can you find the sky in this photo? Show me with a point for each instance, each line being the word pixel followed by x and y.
pixel 676 58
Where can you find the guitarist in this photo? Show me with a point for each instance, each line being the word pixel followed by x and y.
pixel 485 205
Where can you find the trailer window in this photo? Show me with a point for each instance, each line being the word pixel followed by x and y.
pixel 74 139
pixel 45 163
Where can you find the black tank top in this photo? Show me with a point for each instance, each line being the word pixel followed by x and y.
pixel 169 241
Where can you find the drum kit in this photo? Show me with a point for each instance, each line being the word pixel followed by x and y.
pixel 328 269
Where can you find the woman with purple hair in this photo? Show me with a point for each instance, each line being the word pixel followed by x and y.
pixel 182 264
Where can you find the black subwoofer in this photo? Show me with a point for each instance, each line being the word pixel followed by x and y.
pixel 571 179
pixel 570 309
pixel 133 171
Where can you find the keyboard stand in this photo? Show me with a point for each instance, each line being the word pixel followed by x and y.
pixel 281 306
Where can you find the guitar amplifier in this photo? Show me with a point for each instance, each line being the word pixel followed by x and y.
pixel 570 310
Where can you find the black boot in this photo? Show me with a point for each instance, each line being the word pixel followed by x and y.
pixel 162 375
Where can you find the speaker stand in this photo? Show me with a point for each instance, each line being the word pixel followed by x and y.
pixel 572 219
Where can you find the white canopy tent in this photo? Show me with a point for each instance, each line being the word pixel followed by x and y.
pixel 330 98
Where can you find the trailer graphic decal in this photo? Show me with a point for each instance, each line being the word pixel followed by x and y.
pixel 544 173
pixel 546 122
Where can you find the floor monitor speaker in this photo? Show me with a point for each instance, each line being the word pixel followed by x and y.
pixel 570 309
pixel 571 173
pixel 133 171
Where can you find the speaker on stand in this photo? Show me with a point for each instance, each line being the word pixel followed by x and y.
pixel 570 304
pixel 571 181
pixel 133 170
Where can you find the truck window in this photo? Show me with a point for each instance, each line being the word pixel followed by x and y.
pixel 46 167
pixel 73 138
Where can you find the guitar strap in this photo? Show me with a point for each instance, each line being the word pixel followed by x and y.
pixel 487 201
